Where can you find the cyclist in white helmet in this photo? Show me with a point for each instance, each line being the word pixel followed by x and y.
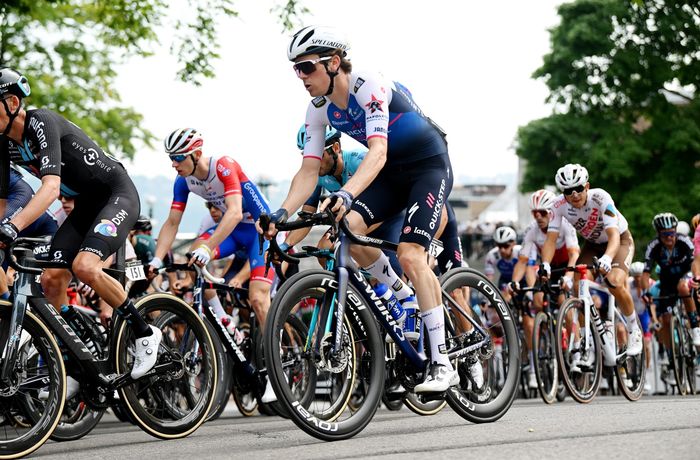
pixel 643 309
pixel 381 114
pixel 594 215
pixel 502 258
pixel 566 254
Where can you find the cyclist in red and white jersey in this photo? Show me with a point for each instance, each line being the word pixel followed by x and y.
pixel 594 215
pixel 566 254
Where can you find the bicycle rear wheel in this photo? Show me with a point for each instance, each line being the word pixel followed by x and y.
pixel 328 417
pixel 691 363
pixel 174 404
pixel 583 380
pixel 545 357
pixel 677 358
pixel 26 421
pixel 630 370
pixel 499 358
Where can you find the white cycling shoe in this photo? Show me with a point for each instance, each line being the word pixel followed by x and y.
pixel 72 388
pixel 269 396
pixel 146 353
pixel 477 373
pixel 532 381
pixel 439 378
pixel 577 362
pixel 634 342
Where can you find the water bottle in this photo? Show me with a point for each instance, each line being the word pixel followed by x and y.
pixel 410 307
pixel 393 305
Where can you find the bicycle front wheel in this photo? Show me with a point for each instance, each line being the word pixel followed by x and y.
pixel 545 357
pixel 630 370
pixel 677 358
pixel 26 418
pixel 499 357
pixel 581 368
pixel 296 369
pixel 171 405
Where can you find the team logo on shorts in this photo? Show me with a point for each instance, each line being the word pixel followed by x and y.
pixel 407 230
pixel 106 228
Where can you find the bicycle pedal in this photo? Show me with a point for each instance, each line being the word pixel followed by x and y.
pixel 436 396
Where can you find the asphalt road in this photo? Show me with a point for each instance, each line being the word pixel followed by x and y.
pixel 610 427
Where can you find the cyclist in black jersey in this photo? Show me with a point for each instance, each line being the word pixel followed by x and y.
pixel 106 204
pixel 673 253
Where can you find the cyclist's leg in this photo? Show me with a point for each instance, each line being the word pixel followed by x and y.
pixel 64 246
pixel 684 292
pixel 227 247
pixel 390 230
pixel 260 285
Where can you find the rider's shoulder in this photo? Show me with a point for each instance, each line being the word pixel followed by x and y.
pixel 363 79
pixel 559 202
pixel 599 196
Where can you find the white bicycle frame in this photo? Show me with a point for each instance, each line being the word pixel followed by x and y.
pixel 610 356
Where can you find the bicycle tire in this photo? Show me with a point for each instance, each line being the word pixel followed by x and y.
pixel 39 429
pixel 677 359
pixel 366 333
pixel 223 373
pixel 580 387
pixel 630 368
pixel 470 405
pixel 158 304
pixel 691 363
pixel 545 358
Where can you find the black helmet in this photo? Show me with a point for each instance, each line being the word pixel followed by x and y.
pixel 12 82
pixel 143 224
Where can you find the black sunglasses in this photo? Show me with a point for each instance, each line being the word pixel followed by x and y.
pixel 504 245
pixel 309 66
pixel 540 212
pixel 577 189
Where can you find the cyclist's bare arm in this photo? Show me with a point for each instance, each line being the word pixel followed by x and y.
pixel 613 241
pixel 303 184
pixel 520 269
pixel 47 193
pixel 369 167
pixel 167 233
pixel 295 236
pixel 549 246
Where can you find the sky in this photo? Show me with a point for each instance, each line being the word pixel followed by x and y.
pixel 467 63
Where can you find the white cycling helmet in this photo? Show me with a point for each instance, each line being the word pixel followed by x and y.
pixel 503 235
pixel 570 176
pixel 183 141
pixel 542 199
pixel 683 228
pixel 636 268
pixel 317 40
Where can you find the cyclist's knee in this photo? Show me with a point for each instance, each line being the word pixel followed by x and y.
pixel 411 256
pixel 259 296
pixel 87 269
pixel 53 281
pixel 356 223
pixel 683 288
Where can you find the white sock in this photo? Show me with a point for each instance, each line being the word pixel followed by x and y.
pixel 215 303
pixel 631 322
pixel 381 269
pixel 434 322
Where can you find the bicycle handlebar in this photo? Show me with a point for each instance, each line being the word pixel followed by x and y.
pixel 28 244
pixel 194 268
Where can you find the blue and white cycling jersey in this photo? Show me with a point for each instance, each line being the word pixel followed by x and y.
pixel 377 107
pixel 505 267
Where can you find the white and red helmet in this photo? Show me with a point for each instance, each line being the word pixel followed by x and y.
pixel 183 141
pixel 542 199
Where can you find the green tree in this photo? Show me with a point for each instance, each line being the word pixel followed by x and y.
pixel 70 49
pixel 623 77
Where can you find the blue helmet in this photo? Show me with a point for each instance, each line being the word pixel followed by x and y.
pixel 332 135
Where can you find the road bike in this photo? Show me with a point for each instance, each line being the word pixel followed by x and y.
pixel 586 342
pixel 346 339
pixel 32 364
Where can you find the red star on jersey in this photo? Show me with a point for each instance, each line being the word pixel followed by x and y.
pixel 374 105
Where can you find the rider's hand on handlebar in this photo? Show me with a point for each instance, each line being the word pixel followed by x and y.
pixel 339 202
pixel 8 233
pixel 513 287
pixel 265 225
pixel 200 256
pixel 605 264
pixel 693 283
pixel 566 283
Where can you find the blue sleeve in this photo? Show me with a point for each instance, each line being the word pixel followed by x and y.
pixel 180 193
pixel 314 198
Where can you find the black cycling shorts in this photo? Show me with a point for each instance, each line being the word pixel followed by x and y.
pixel 421 188
pixel 99 223
pixel 451 255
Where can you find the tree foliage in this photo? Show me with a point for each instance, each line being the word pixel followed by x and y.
pixel 69 49
pixel 623 79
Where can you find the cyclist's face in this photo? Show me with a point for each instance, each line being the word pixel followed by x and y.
pixel 67 204
pixel 668 237
pixel 316 82
pixel 578 199
pixel 215 214
pixel 326 166
pixel 506 249
pixel 185 167
pixel 541 216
